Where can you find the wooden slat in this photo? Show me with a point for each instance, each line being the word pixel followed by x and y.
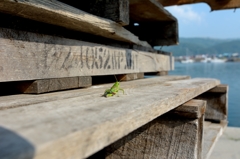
pixel 50 85
pixel 191 109
pixel 212 132
pixel 217 103
pixel 214 4
pixel 172 135
pixel 23 24
pixel 149 10
pixel 69 128
pixel 130 77
pixel 60 14
pixel 222 88
pixel 14 101
pixel 30 56
pixel 156 25
pixel 116 10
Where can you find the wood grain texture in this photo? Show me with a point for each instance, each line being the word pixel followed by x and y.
pixel 30 56
pixel 214 4
pixel 60 14
pixel 217 103
pixel 169 136
pixel 191 109
pixel 14 101
pixel 149 10
pixel 116 10
pixel 212 132
pixel 72 125
pixel 50 85
pixel 161 26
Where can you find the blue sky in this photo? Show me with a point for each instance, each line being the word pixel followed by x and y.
pixel 196 20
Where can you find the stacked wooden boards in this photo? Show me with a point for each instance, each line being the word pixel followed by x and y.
pixel 154 24
pixel 78 123
pixel 43 57
pixel 28 56
pixel 58 13
pixel 34 52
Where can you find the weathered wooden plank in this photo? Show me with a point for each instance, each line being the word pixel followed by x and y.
pixel 60 14
pixel 222 88
pixel 172 135
pixel 23 24
pixel 212 132
pixel 50 85
pixel 14 101
pixel 69 128
pixel 191 109
pixel 217 103
pixel 161 26
pixel 30 56
pixel 214 4
pixel 149 10
pixel 129 77
pixel 116 10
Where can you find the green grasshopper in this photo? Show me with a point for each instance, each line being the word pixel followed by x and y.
pixel 113 90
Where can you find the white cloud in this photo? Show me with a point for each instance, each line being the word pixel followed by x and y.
pixel 185 14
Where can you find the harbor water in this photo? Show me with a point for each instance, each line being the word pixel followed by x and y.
pixel 228 73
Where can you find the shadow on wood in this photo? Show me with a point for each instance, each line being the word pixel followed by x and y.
pixel 50 85
pixel 14 146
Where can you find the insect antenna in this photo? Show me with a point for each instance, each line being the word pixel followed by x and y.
pixel 116 78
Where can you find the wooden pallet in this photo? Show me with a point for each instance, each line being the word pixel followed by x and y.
pixel 60 14
pixel 81 122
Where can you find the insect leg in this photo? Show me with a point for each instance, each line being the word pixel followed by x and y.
pixel 121 90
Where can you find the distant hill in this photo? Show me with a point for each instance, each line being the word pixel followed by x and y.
pixel 194 46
